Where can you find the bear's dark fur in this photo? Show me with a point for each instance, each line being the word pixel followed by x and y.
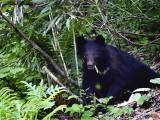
pixel 114 70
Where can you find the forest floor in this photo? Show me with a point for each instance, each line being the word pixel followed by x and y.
pixel 150 110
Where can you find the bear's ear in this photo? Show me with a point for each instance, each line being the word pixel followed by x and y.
pixel 80 41
pixel 100 40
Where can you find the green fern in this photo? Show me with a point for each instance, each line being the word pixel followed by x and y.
pixel 59 108
pixel 38 98
pixel 7 107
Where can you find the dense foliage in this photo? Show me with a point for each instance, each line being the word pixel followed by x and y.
pixel 131 25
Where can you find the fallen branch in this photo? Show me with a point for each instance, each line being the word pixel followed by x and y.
pixel 55 79
pixel 35 46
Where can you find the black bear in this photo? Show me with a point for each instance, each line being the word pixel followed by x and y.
pixel 115 71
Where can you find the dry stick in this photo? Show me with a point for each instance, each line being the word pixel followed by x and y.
pixel 41 51
pixel 55 79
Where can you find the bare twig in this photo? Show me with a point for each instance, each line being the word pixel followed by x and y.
pixel 121 34
pixel 40 50
pixel 55 79
pixel 141 35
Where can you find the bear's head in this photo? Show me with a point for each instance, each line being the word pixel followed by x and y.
pixel 91 51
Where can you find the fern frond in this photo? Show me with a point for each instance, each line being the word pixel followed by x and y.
pixel 7 106
pixel 59 108
pixel 53 95
pixel 7 95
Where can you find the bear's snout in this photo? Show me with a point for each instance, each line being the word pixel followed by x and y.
pixel 90 63
pixel 90 67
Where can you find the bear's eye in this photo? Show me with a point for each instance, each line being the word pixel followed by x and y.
pixel 84 56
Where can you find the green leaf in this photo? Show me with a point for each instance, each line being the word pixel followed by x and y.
pixel 52 23
pixel 3 75
pixel 40 16
pixel 127 110
pixel 48 105
pixel 45 9
pixel 116 112
pixel 68 23
pixel 39 1
pixel 22 53
pixel 72 96
pixel 4 70
pixel 59 108
pixel 141 100
pixel 87 118
pixel 76 107
pixel 16 70
pixel 137 96
pixel 155 81
pixel 106 118
pixel 98 86
pixel 106 100
pixel 144 40
pixel 12 56
pixel 87 114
